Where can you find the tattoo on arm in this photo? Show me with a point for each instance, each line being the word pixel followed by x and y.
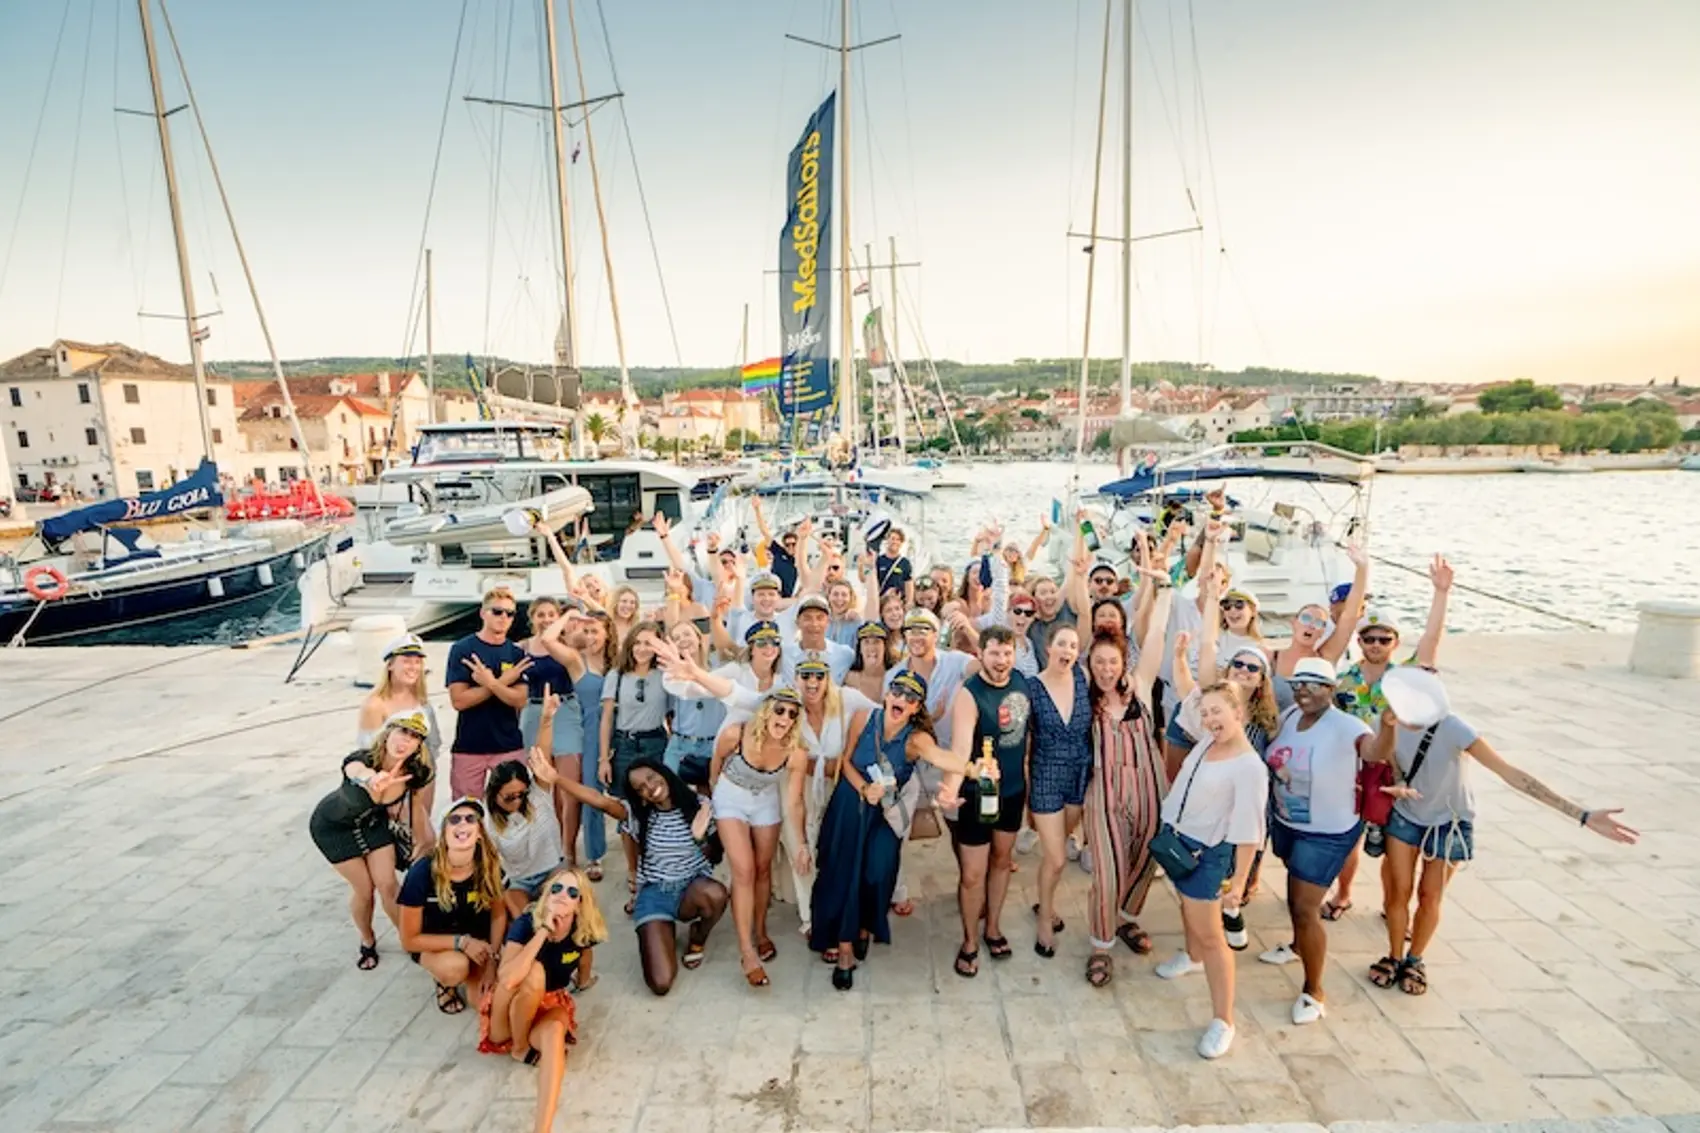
pixel 1520 780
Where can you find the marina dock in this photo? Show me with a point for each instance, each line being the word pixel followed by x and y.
pixel 180 956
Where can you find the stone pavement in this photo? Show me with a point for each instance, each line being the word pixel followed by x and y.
pixel 179 955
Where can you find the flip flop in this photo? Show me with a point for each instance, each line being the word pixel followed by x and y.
pixel 967 963
pixel 999 947
pixel 1056 922
pixel 593 871
pixel 368 957
pixel 1334 910
pixel 693 955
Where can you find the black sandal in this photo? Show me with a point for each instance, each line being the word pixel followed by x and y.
pixel 999 947
pixel 1137 939
pixel 449 1000
pixel 844 978
pixel 368 957
pixel 533 1056
pixel 967 963
pixel 1413 978
pixel 1384 973
pixel 1043 949
pixel 1099 969
pixel 1056 922
pixel 859 947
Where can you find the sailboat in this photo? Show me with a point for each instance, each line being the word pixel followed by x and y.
pixel 90 573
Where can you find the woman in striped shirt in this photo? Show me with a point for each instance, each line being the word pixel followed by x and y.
pixel 675 883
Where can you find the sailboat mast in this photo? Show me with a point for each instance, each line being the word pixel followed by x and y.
pixel 430 349
pixel 1127 208
pixel 566 343
pixel 849 407
pixel 873 381
pixel 183 271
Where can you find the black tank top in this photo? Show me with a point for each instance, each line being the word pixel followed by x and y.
pixel 1004 714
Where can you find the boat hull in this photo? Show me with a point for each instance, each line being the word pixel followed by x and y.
pixel 94 618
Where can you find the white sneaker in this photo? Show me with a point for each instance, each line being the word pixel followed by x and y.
pixel 1026 840
pixel 1280 954
pixel 1178 965
pixel 1086 859
pixel 1307 1009
pixel 1074 848
pixel 1218 1037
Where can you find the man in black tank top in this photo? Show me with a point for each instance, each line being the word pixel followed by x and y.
pixel 994 705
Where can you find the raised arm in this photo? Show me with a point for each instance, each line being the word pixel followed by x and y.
pixel 1428 646
pixel 717 635
pixel 1040 539
pixel 963 716
pixel 1211 634
pixel 1335 647
pixel 589 796
pixel 571 659
pixel 1151 649
pixel 562 559
pixel 870 587
pixel 761 521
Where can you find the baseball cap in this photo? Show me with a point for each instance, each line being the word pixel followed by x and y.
pixel 1100 566
pixel 1379 619
pixel 1316 670
pixel 469 802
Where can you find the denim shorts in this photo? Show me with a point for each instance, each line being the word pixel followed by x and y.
pixel 658 902
pixel 1176 734
pixel 1316 859
pixel 679 746
pixel 1448 841
pixel 1215 865
pixel 532 883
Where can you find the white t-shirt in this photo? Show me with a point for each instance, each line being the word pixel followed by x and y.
pixel 1226 799
pixel 1443 781
pixel 838 657
pixel 740 618
pixel 1316 771
pixel 529 846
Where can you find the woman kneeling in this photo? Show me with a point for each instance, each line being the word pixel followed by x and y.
pixel 452 915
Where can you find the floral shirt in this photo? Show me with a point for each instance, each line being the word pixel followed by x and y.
pixel 1357 694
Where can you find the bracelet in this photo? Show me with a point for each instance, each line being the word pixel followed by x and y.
pixel 457 941
pixel 1587 814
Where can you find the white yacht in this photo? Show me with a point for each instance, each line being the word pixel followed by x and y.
pixel 432 536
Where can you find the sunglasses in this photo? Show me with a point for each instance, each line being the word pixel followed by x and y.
pixel 1312 620
pixel 1377 638
pixel 1234 604
pixel 905 697
pixel 460 817
pixel 510 796
pixel 786 712
pixel 811 676
pixel 562 887
pixel 641 685
pixel 1307 682
pixel 1245 666
pixel 1023 612
pixel 501 611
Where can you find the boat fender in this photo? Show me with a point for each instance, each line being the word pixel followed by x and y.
pixel 215 587
pixel 265 573
pixel 298 560
pixel 46 584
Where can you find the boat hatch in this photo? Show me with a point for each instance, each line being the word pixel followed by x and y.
pixel 667 503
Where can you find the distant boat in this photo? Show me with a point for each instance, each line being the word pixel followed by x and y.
pixel 1691 462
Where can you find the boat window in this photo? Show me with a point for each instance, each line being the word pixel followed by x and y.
pixel 667 503
pixel 616 499
pixel 436 448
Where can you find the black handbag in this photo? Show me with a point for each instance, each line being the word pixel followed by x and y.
pixel 1167 849
pixel 401 832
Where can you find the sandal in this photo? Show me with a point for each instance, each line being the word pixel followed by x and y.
pixel 1056 922
pixel 533 1056
pixel 1384 973
pixel 766 950
pixel 631 903
pixel 694 954
pixel 1413 978
pixel 967 963
pixel 999 947
pixel 859 947
pixel 1046 950
pixel 829 956
pixel 903 908
pixel 579 987
pixel 756 976
pixel 450 1001
pixel 1099 969
pixel 368 957
pixel 1137 939
pixel 1334 910
pixel 593 871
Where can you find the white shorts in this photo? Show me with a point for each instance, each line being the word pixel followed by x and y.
pixel 757 808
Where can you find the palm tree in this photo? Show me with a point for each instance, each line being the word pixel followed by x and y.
pixel 996 430
pixel 597 426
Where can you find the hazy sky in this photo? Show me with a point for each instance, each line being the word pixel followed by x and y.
pixel 1447 191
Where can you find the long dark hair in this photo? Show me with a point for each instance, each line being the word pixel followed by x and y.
pixel 501 775
pixel 684 799
pixel 1095 695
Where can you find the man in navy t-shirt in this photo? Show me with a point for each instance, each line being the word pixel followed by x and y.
pixel 486 685
pixel 894 572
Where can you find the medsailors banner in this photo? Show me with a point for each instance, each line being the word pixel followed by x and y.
pixel 805 273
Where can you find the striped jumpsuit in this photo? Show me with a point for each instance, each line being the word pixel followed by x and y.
pixel 1123 805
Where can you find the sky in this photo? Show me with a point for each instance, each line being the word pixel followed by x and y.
pixel 1451 191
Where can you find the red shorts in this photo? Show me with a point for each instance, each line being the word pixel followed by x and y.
pixel 551 1000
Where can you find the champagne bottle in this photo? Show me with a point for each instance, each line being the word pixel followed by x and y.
pixel 988 785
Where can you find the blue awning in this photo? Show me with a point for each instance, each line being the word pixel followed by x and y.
pixel 1146 482
pixel 196 493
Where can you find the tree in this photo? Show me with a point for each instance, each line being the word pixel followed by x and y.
pixel 597 427
pixel 1519 396
pixel 1101 442
pixel 736 439
pixel 996 430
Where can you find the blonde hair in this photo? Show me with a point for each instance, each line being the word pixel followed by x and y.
pixel 1256 707
pixel 418 765
pixel 496 592
pixel 486 867
pixel 387 686
pixel 793 741
pixel 588 926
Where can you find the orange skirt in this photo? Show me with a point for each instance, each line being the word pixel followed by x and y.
pixel 551 1000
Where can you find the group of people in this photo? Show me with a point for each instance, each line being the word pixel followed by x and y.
pixel 838 705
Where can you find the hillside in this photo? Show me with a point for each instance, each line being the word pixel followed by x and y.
pixel 1023 373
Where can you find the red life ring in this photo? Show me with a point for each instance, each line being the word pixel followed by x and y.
pixel 56 584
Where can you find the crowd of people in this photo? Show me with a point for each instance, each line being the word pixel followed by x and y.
pixel 836 703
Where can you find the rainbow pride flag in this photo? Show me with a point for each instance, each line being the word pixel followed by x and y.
pixel 761 376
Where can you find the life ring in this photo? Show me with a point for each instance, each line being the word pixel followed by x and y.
pixel 46 583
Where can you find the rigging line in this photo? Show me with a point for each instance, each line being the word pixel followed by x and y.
pixel 637 179
pixel 1169 118
pixel 35 141
pixel 1083 392
pixel 409 330
pixel 76 156
pixel 909 138
pixel 1204 125
pixel 502 66
pixel 123 182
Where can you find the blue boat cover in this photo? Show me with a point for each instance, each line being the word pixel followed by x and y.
pixel 1145 482
pixel 196 493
